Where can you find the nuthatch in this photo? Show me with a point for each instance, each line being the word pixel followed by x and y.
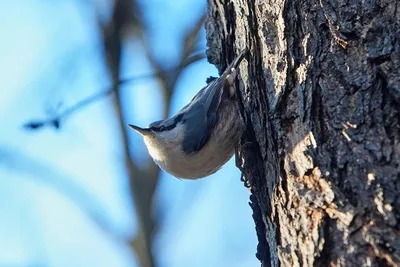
pixel 203 135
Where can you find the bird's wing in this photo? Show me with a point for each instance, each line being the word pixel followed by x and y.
pixel 201 114
pixel 201 117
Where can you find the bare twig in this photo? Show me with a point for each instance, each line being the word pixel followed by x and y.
pixel 167 83
pixel 113 38
pixel 55 121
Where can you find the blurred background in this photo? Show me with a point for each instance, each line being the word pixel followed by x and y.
pixel 77 186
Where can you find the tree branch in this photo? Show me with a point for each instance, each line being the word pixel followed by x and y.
pixel 55 121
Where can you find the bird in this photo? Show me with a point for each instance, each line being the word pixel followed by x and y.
pixel 200 138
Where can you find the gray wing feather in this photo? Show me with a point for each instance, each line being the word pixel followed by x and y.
pixel 201 114
pixel 202 117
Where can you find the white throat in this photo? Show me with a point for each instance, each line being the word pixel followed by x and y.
pixel 163 145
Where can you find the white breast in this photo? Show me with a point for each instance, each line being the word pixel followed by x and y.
pixel 219 149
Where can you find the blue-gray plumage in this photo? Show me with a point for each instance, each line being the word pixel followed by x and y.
pixel 202 136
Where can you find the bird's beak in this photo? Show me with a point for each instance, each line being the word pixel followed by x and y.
pixel 141 131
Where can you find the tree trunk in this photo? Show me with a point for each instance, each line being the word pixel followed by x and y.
pixel 321 98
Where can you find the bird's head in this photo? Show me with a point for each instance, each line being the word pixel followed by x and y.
pixel 161 136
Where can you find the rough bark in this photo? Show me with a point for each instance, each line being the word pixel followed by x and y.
pixel 321 98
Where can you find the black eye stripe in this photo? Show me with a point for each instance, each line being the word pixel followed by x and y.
pixel 163 128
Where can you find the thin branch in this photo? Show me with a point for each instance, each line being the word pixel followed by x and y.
pixel 190 37
pixel 113 38
pixel 167 83
pixel 55 120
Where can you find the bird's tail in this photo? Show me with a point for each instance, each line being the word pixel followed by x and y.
pixel 229 75
pixel 236 62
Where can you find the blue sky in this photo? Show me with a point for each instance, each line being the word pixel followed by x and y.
pixel 51 180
